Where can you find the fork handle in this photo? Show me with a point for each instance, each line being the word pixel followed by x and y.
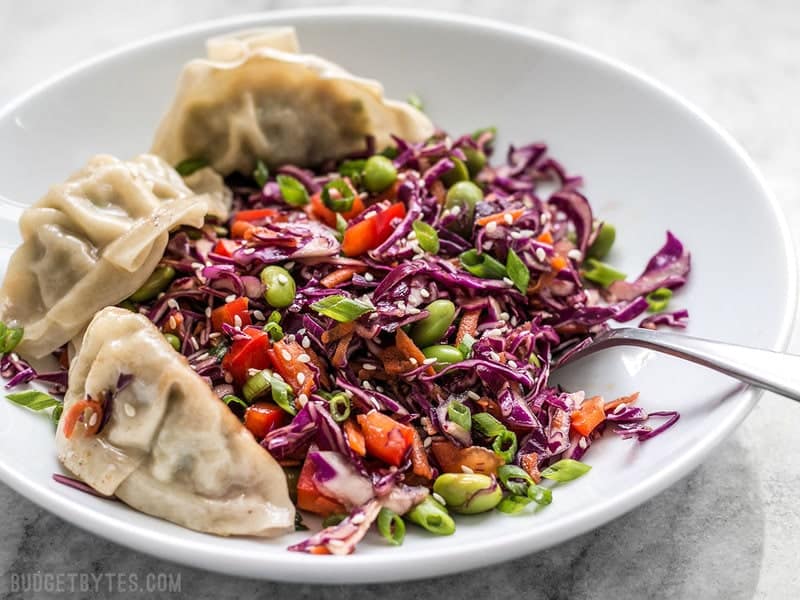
pixel 777 372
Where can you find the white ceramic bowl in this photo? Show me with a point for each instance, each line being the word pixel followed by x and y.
pixel 650 160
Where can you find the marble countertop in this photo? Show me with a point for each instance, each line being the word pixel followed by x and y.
pixel 729 530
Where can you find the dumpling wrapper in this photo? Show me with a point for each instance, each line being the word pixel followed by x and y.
pixel 170 448
pixel 256 97
pixel 91 242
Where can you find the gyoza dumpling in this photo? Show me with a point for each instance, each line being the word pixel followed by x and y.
pixel 91 242
pixel 256 97
pixel 170 447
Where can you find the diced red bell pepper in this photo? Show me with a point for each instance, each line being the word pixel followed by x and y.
pixel 309 498
pixel 385 438
pixel 225 247
pixel 229 312
pixel 247 354
pixel 257 215
pixel 285 357
pixel 318 209
pixel 588 416
pixel 373 231
pixel 262 417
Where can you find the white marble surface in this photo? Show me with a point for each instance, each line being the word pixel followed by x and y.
pixel 731 529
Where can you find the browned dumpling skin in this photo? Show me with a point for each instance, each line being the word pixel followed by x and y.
pixel 170 447
pixel 256 97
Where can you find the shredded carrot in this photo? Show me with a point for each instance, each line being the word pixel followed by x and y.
pixel 318 550
pixel 419 458
pixel 530 463
pixel 500 217
pixel 468 325
pixel 409 349
pixel 354 437
pixel 337 332
pixel 340 276
pixel 558 263
pixel 545 238
pixel 610 406
pixel 79 409
pixel 588 416
pixel 174 323
pixel 240 228
pixel 340 355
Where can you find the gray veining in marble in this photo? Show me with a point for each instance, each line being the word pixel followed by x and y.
pixel 731 529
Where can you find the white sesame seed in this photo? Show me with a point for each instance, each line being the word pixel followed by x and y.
pixel 619 408
pixel 488 245
pixel 508 218
pixel 301 331
pixel 286 355
pixel 304 358
pixel 301 378
pixel 249 251
pixel 528 202
pixel 491 227
pixel 237 321
pixel 494 356
pixel 306 343
pixel 541 254
pixel 193 342
pixel 258 315
pixel 438 498
pixel 424 293
pixel 358 519
pixel 230 298
pixel 427 442
pixel 582 443
pixel 208 312
pixel 209 263
pixel 173 324
pixel 413 361
pixel 504 316
pixel 473 396
pixel 545 217
pixel 369 367
pixel 348 393
pixel 93 419
pixel 412 235
pixel 214 335
pixel 507 281
pixel 515 235
pixel 283 279
pixel 379 388
pixel 161 295
pixel 366 385
pixel 514 321
pixel 289 265
pixel 302 399
pixel 203 356
pixel 512 364
pixel 369 277
pixel 400 304
pixel 374 315
pixel 428 361
pixel 129 410
pixel 575 254
pixel 466 469
pixel 251 372
pixel 275 375
pixel 197 265
pixel 413 311
pixel 172 303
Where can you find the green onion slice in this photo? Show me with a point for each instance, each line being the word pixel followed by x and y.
pixel 339 406
pixel 566 469
pixel 465 347
pixel 231 399
pixel 518 271
pixel 513 504
pixel 514 479
pixel 190 165
pixel 505 445
pixel 34 400
pixel 658 300
pixel 353 170
pixel 293 192
pixel 341 309
pixel 482 265
pixel 391 526
pixel 487 425
pixel 601 273
pixel 426 236
pixel 460 415
pixel 338 195
pixel 261 174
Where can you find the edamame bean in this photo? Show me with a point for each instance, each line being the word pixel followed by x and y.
pixel 468 493
pixel 431 329
pixel 280 286
pixel 476 160
pixel 461 198
pixel 379 173
pixel 458 172
pixel 603 242
pixel 158 281
pixel 445 355
pixel 173 340
pixel 432 516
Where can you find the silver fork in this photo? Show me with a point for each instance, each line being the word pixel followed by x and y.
pixel 774 371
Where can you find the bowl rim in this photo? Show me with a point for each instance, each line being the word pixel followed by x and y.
pixel 292 567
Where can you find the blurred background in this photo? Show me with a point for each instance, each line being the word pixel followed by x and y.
pixel 732 528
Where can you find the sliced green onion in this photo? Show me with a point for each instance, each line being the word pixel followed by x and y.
pixel 505 445
pixel 541 495
pixel 257 385
pixel 190 165
pixel 341 226
pixel 231 399
pixel 517 271
pixel 534 360
pixel 460 415
pixel 261 174
pixel 341 309
pixel 602 274
pixel 338 195
pixel 282 395
pixel 465 347
pixel 55 414
pixel 353 170
pixel 11 337
pixel 514 479
pixel 391 526
pixel 487 425
pixel 274 317
pixel 416 102
pixel 426 236
pixel 602 242
pixel 658 300
pixel 333 520
pixel 339 406
pixel 432 516
pixel 274 331
pixel 566 469
pixel 479 132
pixel 293 192
pixel 482 265
pixel 34 400
pixel 513 504
pixel 219 351
pixel 390 152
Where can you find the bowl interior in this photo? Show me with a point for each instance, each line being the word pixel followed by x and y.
pixel 650 162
